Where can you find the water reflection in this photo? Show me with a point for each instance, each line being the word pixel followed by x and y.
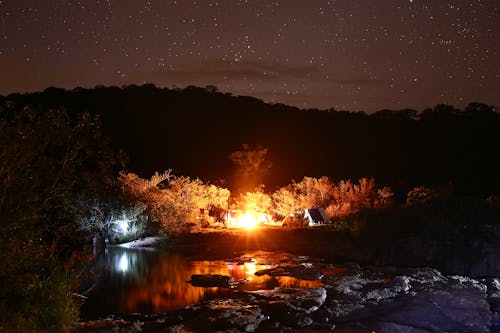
pixel 127 280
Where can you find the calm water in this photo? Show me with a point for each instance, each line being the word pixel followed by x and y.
pixel 148 281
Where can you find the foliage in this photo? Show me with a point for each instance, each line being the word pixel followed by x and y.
pixel 340 200
pixel 102 219
pixel 420 195
pixel 253 165
pixel 177 203
pixel 53 307
pixel 46 158
pixel 404 148
pixel 295 222
pixel 286 202
pixel 309 193
pixel 256 201
pixel 349 198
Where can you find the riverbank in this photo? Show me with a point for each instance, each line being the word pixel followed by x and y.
pixel 469 251
pixel 352 299
pixel 362 284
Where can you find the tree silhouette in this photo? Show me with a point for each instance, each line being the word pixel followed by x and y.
pixel 252 166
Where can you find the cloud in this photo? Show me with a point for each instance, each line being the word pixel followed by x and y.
pixel 242 70
pixel 225 71
pixel 360 81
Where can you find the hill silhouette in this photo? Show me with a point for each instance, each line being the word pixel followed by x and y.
pixel 194 130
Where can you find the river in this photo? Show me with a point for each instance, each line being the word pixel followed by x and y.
pixel 150 281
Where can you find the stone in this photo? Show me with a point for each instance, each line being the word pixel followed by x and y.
pixel 227 314
pixel 110 325
pixel 299 272
pixel 177 329
pixel 457 310
pixel 387 327
pixel 295 299
pixel 210 280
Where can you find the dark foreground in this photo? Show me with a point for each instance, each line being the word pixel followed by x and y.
pixel 470 251
pixel 349 297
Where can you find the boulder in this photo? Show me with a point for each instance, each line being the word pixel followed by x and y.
pixel 409 300
pixel 110 325
pixel 226 314
pixel 386 327
pixel 295 299
pixel 299 272
pixel 210 280
pixel 456 310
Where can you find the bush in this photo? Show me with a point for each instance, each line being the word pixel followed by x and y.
pixel 47 157
pixel 173 202
pixel 341 199
pixel 419 195
pixel 117 222
pixel 41 299
pixel 295 222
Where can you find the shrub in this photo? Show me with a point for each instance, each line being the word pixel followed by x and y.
pixel 47 157
pixel 340 200
pixel 419 195
pixel 176 203
pixel 118 222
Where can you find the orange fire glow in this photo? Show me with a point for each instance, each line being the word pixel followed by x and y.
pixel 245 220
pixel 166 287
pixel 248 220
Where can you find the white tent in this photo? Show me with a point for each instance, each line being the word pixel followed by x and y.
pixel 316 216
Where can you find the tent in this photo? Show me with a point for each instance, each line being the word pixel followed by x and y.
pixel 316 216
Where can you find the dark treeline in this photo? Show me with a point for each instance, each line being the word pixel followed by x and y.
pixel 194 130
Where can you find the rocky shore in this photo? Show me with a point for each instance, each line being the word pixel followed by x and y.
pixel 351 299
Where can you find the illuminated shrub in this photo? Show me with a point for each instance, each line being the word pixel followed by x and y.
pixel 173 202
pixel 256 201
pixel 296 197
pixel 295 222
pixel 116 222
pixel 419 195
pixel 339 200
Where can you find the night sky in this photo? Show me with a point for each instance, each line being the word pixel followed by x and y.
pixel 352 55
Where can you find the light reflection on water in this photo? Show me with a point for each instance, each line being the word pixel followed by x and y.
pixel 127 280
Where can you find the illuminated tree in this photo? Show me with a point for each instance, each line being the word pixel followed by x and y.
pixel 286 201
pixel 256 201
pixel 253 165
pixel 340 200
pixel 115 222
pixel 309 193
pixel 177 204
pixel 349 198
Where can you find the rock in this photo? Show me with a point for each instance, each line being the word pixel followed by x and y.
pixel 493 287
pixel 396 328
pixel 294 299
pixel 456 310
pixel 299 272
pixel 349 283
pixel 493 297
pixel 399 285
pixel 231 330
pixel 304 321
pixel 177 329
pixel 409 300
pixel 226 314
pixel 110 325
pixel 210 280
pixel 392 300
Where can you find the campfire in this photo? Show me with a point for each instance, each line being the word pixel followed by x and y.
pixel 246 219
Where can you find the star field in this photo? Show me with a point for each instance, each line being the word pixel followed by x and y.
pixel 352 54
